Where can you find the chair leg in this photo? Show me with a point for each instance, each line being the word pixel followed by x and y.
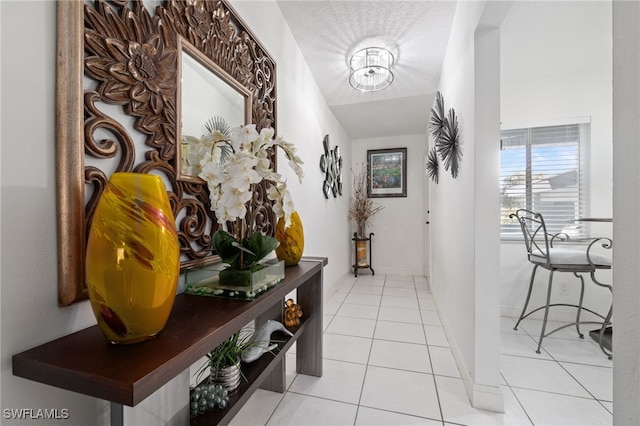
pixel 580 305
pixel 546 311
pixel 607 319
pixel 526 302
pixel 605 324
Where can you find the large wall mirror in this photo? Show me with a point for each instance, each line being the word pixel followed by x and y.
pixel 204 89
pixel 122 104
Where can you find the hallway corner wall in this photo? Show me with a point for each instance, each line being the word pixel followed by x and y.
pixel 465 263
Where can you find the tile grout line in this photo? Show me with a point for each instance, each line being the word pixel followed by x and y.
pixel 512 389
pixel 558 362
pixel 518 399
pixel 366 367
pixel 433 374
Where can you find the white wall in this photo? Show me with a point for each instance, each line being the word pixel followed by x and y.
pixel 626 207
pixel 30 315
pixel 556 65
pixel 464 210
pixel 304 119
pixel 398 246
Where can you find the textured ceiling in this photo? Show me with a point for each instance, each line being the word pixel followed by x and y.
pixel 416 32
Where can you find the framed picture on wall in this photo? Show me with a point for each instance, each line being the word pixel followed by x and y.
pixel 387 172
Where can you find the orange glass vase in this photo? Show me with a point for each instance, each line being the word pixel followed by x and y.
pixel 133 258
pixel 361 250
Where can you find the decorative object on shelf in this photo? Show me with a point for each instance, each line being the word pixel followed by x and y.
pixel 228 376
pixel 239 255
pixel 208 396
pixel 234 162
pixel 331 166
pixel 118 108
pixel 437 119
pixel 244 270
pixel 71 362
pixel 222 368
pixel 361 253
pixel 448 145
pixel 260 342
pixel 362 207
pixel 291 240
pixel 205 280
pixel 370 69
pixel 132 258
pixel 387 169
pixel 292 313
pixel 432 164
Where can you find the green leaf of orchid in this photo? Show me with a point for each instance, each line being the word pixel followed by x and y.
pixel 244 249
pixel 224 245
pixel 260 245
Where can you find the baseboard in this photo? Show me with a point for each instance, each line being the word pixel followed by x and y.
pixel 397 271
pixel 330 290
pixel 483 397
pixel 557 313
pixel 488 398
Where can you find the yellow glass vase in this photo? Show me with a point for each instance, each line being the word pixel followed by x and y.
pixel 291 240
pixel 133 258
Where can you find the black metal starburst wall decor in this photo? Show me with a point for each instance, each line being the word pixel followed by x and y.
pixel 446 139
pixel 432 164
pixel 436 121
pixel 448 145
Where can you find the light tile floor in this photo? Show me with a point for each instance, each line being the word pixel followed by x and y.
pixel 387 362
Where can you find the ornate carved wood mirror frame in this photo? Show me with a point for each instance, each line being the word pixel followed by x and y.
pixel 116 110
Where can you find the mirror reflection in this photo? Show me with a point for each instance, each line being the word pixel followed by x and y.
pixel 206 91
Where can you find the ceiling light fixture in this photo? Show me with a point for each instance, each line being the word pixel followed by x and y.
pixel 370 69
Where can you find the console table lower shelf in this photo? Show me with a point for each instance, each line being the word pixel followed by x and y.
pixel 256 374
pixel 86 363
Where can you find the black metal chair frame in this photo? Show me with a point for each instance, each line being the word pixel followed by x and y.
pixel 539 244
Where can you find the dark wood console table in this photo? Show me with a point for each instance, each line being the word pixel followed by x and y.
pixel 87 363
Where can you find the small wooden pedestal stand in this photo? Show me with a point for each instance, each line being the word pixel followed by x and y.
pixel 361 261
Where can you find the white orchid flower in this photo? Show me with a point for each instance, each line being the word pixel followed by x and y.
pixel 213 173
pixel 231 177
pixel 243 135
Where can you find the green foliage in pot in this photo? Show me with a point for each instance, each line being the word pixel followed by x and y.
pixel 226 354
pixel 240 255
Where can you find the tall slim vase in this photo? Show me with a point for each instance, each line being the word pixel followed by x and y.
pixel 133 258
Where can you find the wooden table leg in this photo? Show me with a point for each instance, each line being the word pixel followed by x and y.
pixel 309 345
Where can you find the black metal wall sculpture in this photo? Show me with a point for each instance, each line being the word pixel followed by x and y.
pixel 331 166
pixel 449 144
pixel 436 121
pixel 432 164
pixel 446 139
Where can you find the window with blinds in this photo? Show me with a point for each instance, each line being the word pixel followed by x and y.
pixel 543 169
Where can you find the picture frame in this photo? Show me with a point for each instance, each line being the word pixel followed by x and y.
pixel 387 172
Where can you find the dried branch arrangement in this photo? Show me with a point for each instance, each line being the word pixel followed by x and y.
pixel 362 207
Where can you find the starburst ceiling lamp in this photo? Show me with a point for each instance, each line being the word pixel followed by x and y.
pixel 370 69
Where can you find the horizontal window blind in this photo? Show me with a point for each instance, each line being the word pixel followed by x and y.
pixel 542 169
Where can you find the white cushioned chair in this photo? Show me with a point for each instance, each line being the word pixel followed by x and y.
pixel 575 258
